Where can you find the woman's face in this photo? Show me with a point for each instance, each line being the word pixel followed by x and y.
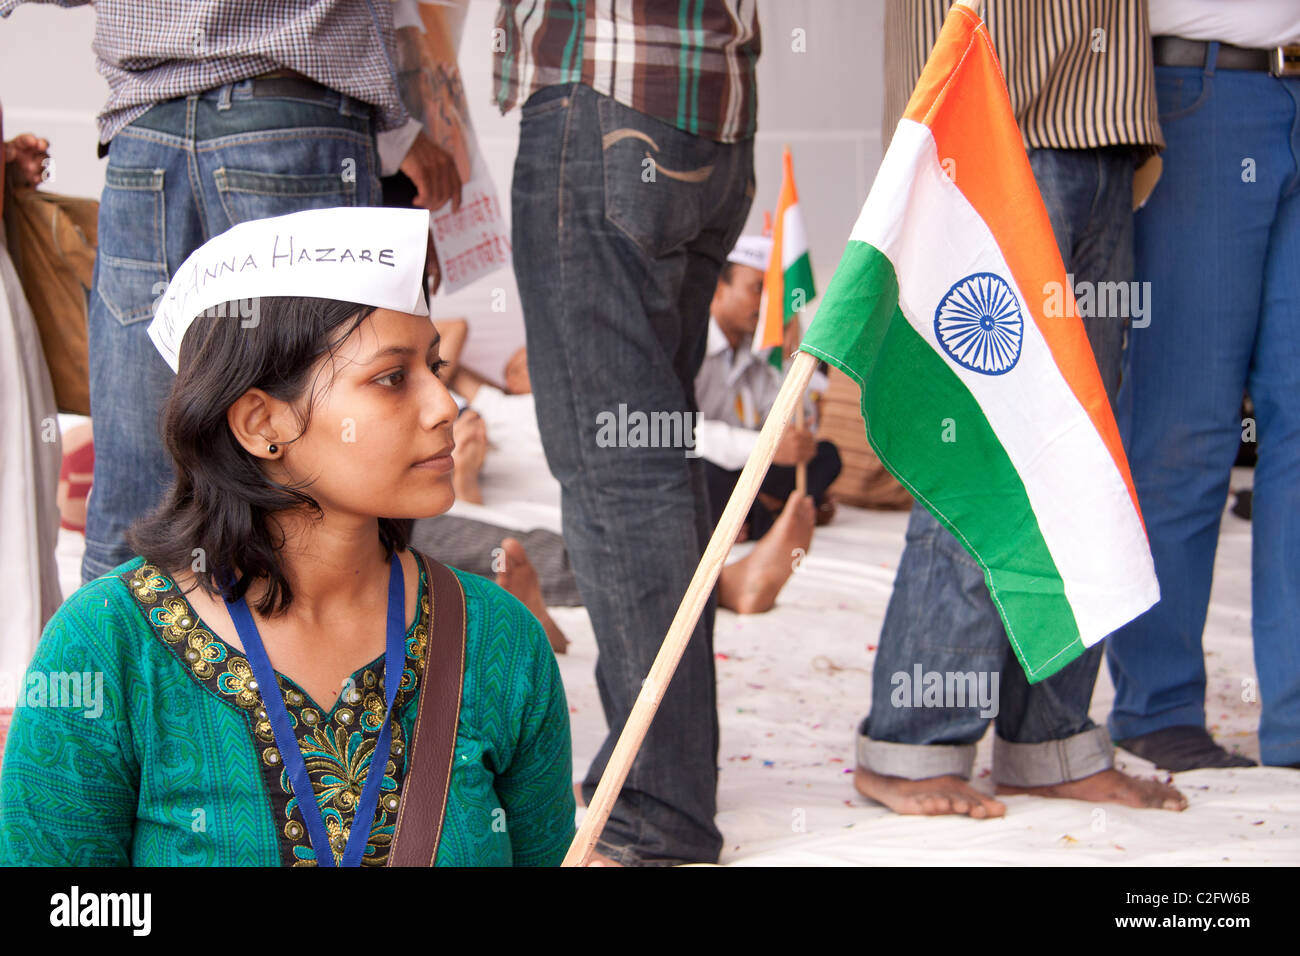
pixel 378 442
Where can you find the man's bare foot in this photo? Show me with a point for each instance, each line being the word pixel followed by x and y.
pixel 519 577
pixel 931 797
pixel 1110 786
pixel 750 585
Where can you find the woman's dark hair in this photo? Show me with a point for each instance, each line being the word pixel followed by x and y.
pixel 215 516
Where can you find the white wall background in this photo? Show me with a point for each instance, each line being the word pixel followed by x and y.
pixel 825 102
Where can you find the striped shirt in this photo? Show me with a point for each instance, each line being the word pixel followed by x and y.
pixel 156 50
pixel 1079 71
pixel 688 63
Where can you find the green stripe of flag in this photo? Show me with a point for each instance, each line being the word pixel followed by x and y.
pixel 909 393
pixel 798 277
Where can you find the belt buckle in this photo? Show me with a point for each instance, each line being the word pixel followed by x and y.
pixel 1284 60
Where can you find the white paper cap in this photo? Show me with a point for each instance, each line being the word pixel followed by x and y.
pixel 752 251
pixel 371 255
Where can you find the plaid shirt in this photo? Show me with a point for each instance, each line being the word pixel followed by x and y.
pixel 688 63
pixel 156 50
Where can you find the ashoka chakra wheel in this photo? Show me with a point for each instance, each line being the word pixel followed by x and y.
pixel 980 325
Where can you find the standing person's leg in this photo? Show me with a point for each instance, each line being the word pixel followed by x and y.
pixel 1274 386
pixel 1045 737
pixel 1202 241
pixel 1046 743
pixel 913 756
pixel 183 172
pixel 1044 734
pixel 602 259
pixel 148 224
pixel 941 618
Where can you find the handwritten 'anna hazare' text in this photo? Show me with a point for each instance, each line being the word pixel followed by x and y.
pixel 288 255
pixel 383 257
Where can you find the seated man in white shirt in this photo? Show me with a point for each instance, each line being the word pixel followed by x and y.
pixel 735 389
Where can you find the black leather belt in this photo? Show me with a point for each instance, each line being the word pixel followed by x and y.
pixel 284 83
pixel 1175 51
pixel 295 85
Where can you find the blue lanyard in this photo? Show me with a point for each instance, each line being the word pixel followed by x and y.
pixel 287 742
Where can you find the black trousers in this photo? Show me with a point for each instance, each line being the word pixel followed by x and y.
pixel 822 472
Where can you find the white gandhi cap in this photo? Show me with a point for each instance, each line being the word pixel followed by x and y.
pixel 752 251
pixel 370 255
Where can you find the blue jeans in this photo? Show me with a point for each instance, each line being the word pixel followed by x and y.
pixel 1220 243
pixel 185 171
pixel 621 226
pixel 940 616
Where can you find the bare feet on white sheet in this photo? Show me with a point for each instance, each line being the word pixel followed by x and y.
pixel 933 796
pixel 951 794
pixel 1110 786
pixel 750 585
pixel 519 577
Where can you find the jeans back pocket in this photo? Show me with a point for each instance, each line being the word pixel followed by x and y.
pixel 131 259
pixel 657 178
pixel 248 194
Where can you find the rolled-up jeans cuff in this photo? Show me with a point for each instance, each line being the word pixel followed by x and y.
pixel 915 761
pixel 1053 761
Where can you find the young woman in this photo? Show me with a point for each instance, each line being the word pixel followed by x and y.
pixel 300 439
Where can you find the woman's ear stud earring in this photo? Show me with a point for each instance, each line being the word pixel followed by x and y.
pixel 272 449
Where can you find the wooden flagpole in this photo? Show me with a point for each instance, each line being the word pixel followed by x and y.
pixel 801 469
pixel 688 612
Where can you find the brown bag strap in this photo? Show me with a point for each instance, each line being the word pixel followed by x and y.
pixel 433 741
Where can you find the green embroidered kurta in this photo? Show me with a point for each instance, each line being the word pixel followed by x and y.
pixel 181 766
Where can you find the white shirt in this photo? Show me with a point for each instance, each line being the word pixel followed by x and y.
pixel 511 422
pixel 735 389
pixel 1250 23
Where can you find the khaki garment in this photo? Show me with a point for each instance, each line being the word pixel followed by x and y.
pixel 863 480
pixel 52 242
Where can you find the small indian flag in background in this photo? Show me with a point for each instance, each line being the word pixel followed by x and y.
pixel 788 284
pixel 993 416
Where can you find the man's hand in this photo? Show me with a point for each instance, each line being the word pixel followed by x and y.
pixel 470 434
pixel 797 447
pixel 25 158
pixel 434 173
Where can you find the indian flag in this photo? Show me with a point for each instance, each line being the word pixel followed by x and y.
pixel 788 283
pixel 992 415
